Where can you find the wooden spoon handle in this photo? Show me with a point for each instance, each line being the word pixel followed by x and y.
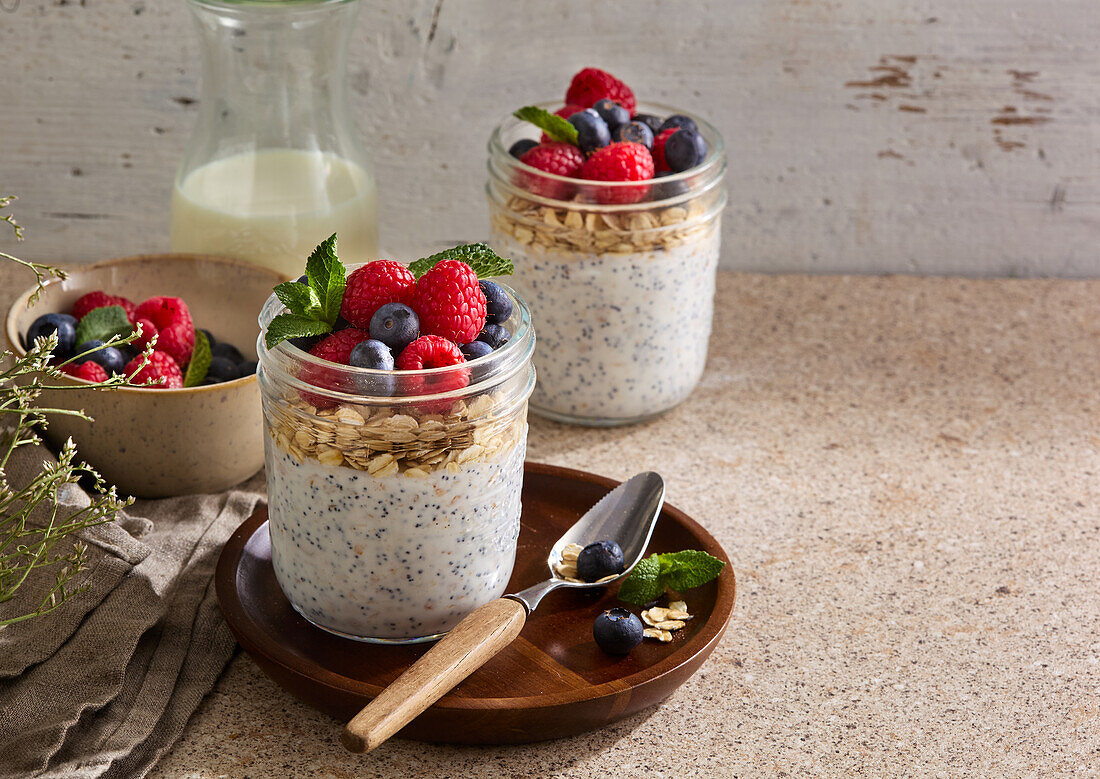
pixel 469 645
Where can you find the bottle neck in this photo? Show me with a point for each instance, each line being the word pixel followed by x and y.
pixel 274 75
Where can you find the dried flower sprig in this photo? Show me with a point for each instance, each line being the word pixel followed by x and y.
pixel 26 545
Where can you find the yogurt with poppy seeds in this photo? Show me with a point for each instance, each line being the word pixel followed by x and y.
pixel 620 278
pixel 394 496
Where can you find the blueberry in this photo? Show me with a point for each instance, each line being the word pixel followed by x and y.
pixel 223 369
pixel 107 357
pixel 303 280
pixel 371 353
pixel 498 306
pixel 62 324
pixel 592 132
pixel 494 335
pixel 396 325
pixel 600 559
pixel 685 149
pixel 208 380
pixel 611 112
pixel 633 132
pixel 521 147
pixel 209 336
pixel 305 342
pixel 475 349
pixel 617 631
pixel 681 121
pixel 228 351
pixel 649 120
pixel 248 367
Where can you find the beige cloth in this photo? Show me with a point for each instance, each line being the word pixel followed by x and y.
pixel 104 685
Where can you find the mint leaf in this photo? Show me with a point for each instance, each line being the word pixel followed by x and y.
pixel 199 364
pixel 286 326
pixel 553 125
pixel 327 276
pixel 102 324
pixel 301 299
pixel 485 262
pixel 688 569
pixel 644 583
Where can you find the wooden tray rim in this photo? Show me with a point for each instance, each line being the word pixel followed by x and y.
pixel 701 643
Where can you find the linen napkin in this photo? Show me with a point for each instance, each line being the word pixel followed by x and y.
pixel 103 686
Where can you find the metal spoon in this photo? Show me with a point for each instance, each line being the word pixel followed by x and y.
pixel 625 515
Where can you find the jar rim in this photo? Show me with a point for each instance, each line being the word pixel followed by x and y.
pixel 493 368
pixel 267 4
pixel 701 177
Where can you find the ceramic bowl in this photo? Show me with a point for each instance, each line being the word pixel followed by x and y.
pixel 153 442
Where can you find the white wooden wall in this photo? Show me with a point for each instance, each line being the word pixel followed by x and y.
pixel 927 136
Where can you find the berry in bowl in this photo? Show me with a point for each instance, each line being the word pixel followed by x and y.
pixel 611 210
pixel 395 412
pixel 185 423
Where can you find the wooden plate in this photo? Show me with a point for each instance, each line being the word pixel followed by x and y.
pixel 550 682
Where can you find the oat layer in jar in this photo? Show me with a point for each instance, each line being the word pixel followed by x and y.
pixel 394 497
pixel 619 278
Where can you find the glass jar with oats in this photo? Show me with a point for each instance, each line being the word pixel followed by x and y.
pixel 394 496
pixel 619 277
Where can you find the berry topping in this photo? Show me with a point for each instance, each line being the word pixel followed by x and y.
pixel 475 349
pixel 449 303
pixel 619 162
pixel 617 631
pixel 99 299
pixel 612 113
pixel 247 368
pixel 494 335
pixel 210 339
pixel 498 306
pixel 372 354
pixel 659 163
pixel 107 357
pixel 173 320
pixel 592 84
pixel 649 120
pixel 600 559
pixel 429 351
pixel 592 130
pixel 520 147
pixel 228 351
pixel 679 121
pixel 395 325
pixel 685 149
pixel 161 366
pixel 337 347
pixel 148 332
pixel 222 369
pixel 562 159
pixel 89 371
pixel 48 324
pixel 371 287
pixel 633 132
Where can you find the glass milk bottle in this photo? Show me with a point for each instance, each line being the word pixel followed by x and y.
pixel 274 165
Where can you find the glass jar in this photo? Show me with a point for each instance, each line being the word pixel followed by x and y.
pixel 394 497
pixel 274 165
pixel 619 277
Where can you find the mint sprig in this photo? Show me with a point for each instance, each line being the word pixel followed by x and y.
pixel 314 305
pixel 554 126
pixel 679 571
pixel 102 324
pixel 199 364
pixel 485 262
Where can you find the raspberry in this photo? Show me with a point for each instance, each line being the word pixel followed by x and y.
pixel 148 332
pixel 99 299
pixel 659 163
pixel 563 159
pixel 337 347
pixel 592 84
pixel 619 162
pixel 449 302
pixel 433 351
pixel 373 286
pixel 161 365
pixel 89 371
pixel 176 331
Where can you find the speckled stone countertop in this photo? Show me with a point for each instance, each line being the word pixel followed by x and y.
pixel 906 474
